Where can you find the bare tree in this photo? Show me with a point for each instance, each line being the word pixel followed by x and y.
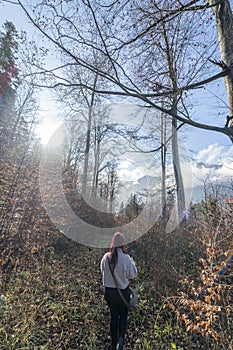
pixel 124 36
pixel 117 42
pixel 109 184
pixel 88 135
pixel 224 23
pixel 101 150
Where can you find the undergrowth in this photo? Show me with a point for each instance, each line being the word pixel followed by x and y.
pixel 59 305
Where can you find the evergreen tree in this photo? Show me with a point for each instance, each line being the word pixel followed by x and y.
pixel 8 79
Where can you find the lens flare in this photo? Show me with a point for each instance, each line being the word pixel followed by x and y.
pixel 147 183
pixel 220 273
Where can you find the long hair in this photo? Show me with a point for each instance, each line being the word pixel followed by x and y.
pixel 117 242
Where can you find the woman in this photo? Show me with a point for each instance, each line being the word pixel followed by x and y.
pixel 124 269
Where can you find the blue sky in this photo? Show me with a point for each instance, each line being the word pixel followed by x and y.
pixel 207 147
pixel 196 139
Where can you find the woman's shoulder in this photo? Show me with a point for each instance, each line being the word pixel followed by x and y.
pixel 105 256
pixel 125 255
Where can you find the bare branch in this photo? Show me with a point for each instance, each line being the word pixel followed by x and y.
pixel 124 90
pixel 164 18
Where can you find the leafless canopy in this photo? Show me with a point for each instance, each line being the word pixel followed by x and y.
pixel 128 52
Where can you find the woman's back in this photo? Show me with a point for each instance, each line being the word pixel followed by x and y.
pixel 124 270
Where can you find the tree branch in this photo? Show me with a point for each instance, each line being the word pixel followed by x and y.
pixel 171 13
pixel 129 91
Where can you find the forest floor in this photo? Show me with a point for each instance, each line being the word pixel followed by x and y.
pixel 58 304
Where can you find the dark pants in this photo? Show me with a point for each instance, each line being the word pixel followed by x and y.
pixel 118 311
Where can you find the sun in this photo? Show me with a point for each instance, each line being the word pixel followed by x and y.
pixel 46 128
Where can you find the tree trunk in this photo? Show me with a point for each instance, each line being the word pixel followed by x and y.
pixel 96 164
pixel 224 23
pixel 163 164
pixel 177 171
pixel 175 147
pixel 88 139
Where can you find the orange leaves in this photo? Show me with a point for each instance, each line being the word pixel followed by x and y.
pixel 202 309
pixel 2 262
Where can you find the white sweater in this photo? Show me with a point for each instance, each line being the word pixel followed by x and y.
pixel 125 270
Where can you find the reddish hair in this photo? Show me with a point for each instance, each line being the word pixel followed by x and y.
pixel 117 242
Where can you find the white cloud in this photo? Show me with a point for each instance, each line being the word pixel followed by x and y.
pixel 131 173
pixel 134 169
pixel 214 154
pixel 214 162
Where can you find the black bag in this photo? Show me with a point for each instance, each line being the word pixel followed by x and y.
pixel 133 303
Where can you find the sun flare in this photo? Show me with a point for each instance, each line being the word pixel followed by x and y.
pixel 46 129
